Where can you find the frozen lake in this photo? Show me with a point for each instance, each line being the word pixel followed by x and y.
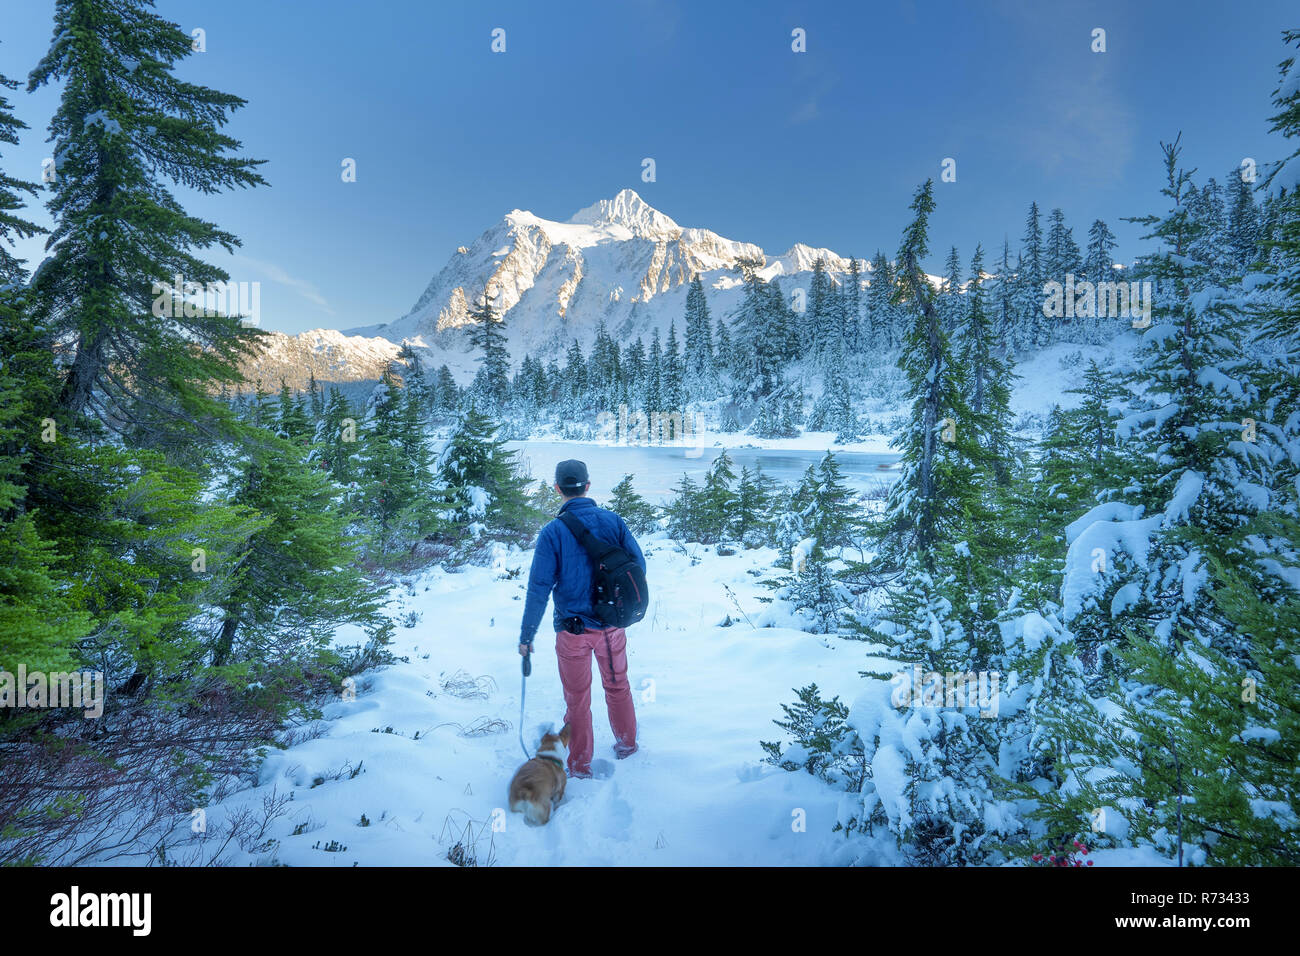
pixel 655 469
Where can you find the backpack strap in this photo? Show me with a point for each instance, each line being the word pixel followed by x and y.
pixel 596 550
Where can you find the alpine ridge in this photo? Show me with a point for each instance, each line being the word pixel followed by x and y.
pixel 617 261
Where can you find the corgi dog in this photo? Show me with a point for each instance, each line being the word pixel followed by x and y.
pixel 539 784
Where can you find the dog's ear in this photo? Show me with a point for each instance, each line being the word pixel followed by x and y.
pixel 564 734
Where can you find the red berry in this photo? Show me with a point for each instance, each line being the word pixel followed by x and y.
pixel 1090 862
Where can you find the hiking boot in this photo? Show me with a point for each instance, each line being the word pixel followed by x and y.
pixel 620 752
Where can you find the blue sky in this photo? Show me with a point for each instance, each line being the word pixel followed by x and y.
pixel 749 138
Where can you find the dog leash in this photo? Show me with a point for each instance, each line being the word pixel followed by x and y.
pixel 527 668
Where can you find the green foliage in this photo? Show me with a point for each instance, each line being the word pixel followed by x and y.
pixel 397 492
pixel 640 515
pixel 298 577
pixel 39 625
pixel 484 477
pixel 823 743
pixel 123 123
pixel 755 499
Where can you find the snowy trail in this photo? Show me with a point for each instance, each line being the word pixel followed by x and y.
pixel 695 793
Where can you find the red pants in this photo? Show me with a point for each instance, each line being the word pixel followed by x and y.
pixel 573 651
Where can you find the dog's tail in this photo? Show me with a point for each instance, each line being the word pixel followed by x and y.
pixel 536 812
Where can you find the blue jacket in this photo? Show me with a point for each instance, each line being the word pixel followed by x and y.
pixel 561 564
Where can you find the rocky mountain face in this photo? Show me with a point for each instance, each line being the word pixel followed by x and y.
pixel 333 357
pixel 619 261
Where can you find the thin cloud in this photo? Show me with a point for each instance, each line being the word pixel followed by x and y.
pixel 276 274
pixel 1086 130
pixel 817 82
pixel 1068 121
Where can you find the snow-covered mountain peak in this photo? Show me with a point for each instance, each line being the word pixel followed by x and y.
pixel 630 211
pixel 802 258
pixel 619 261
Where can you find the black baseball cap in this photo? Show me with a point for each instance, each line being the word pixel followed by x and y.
pixel 571 474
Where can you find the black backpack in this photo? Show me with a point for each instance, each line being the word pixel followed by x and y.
pixel 619 593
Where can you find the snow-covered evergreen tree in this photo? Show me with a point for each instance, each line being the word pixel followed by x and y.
pixel 674 388
pixel 396 489
pixel 700 379
pixel 1031 327
pixel 938 446
pixel 491 385
pixel 486 485
pixel 853 331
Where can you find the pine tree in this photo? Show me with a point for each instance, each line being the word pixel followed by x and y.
pixel 683 510
pixel 827 519
pixel 776 416
pixel 653 399
pixel 299 578
pixel 337 436
pixel 1061 253
pixel 755 498
pixel 853 335
pixel 396 487
pixel 825 744
pixel 124 119
pixel 485 477
pixel 988 377
pixel 633 366
pixel 756 350
pixel 576 396
pixel 938 446
pixel 448 392
pixel 1186 508
pixel 726 359
pixel 491 385
pixel 700 376
pixel 818 327
pixel 836 518
pixel 11 200
pixel 1243 233
pixel 1195 752
pixel 292 420
pixel 673 384
pixel 1278 324
pixel 1078 463
pixel 952 303
pixel 603 370
pixel 813 587
pixel 715 510
pixel 1003 298
pixel 1099 266
pixel 833 411
pixel 938 798
pixel 315 397
pixel 40 623
pixel 640 515
pixel 1031 327
pixel 1191 394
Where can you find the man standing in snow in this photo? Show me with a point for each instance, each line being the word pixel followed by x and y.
pixel 560 564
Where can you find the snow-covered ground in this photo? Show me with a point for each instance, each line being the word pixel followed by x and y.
pixel 421 759
pixel 695 793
